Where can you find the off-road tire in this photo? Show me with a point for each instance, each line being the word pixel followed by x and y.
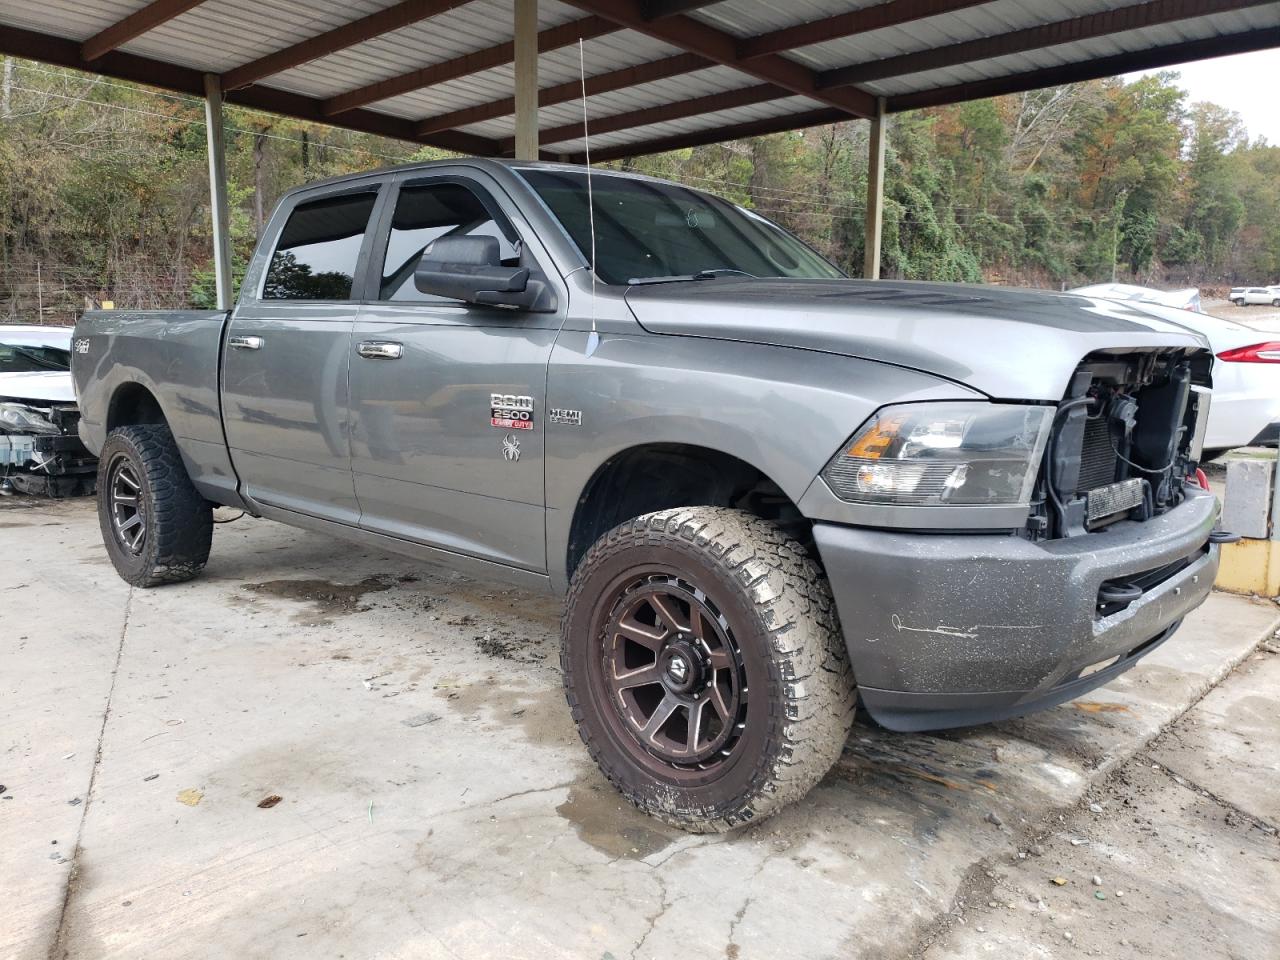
pixel 779 605
pixel 179 521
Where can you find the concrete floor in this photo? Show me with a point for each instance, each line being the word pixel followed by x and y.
pixel 436 802
pixel 1174 855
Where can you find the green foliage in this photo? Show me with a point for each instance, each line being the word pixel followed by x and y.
pixel 104 190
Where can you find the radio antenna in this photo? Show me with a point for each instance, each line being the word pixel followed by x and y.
pixel 593 340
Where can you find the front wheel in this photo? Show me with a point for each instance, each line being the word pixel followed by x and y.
pixel 705 667
pixel 156 526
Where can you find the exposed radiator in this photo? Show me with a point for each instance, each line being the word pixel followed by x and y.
pixel 1097 458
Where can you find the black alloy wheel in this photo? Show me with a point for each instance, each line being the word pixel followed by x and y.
pixel 156 526
pixel 124 493
pixel 705 667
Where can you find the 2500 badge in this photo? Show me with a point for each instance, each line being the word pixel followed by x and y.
pixel 509 411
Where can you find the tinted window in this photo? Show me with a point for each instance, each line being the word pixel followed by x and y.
pixel 20 358
pixel 424 213
pixel 316 255
pixel 647 229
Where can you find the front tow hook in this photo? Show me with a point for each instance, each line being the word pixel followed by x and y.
pixel 1224 536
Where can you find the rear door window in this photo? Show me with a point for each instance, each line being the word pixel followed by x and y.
pixel 425 212
pixel 319 249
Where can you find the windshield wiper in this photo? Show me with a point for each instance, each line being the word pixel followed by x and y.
pixel 722 272
pixel 686 277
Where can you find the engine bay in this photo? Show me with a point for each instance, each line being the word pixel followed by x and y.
pixel 1126 439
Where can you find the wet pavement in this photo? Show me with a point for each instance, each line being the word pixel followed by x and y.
pixel 434 798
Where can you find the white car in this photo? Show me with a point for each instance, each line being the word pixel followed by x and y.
pixel 1187 298
pixel 1253 296
pixel 1246 375
pixel 40 448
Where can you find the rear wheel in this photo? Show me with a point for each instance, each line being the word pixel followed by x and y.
pixel 704 666
pixel 1239 302
pixel 156 526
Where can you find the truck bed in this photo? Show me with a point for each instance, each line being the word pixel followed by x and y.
pixel 170 359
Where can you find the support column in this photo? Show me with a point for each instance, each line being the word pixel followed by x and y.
pixel 526 79
pixel 875 192
pixel 1275 504
pixel 218 188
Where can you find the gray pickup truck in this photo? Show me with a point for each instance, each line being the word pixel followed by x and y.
pixel 767 491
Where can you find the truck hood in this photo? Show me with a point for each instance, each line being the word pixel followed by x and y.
pixel 48 386
pixel 1007 343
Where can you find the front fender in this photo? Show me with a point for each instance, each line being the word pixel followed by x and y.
pixel 784 411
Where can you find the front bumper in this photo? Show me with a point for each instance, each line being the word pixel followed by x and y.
pixel 947 630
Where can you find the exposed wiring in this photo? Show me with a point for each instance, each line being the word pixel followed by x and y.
pixel 1137 466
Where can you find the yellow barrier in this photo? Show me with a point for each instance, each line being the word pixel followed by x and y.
pixel 1250 566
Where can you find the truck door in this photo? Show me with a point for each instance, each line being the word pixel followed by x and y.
pixel 285 397
pixel 447 398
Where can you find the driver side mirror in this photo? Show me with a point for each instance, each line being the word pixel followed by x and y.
pixel 470 269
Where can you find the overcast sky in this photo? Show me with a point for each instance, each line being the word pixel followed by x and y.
pixel 1246 83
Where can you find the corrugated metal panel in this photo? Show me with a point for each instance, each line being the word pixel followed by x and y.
pixel 990 19
pixel 658 93
pixel 602 54
pixel 1129 42
pixel 478 25
pixel 709 121
pixel 218 35
pixel 66 18
pixel 749 18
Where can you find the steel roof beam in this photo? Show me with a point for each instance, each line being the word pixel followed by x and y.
pixel 1153 59
pixel 893 13
pixel 339 38
pixel 707 41
pixel 553 38
pixel 681 63
pixel 59 51
pixel 712 103
pixel 698 138
pixel 134 26
pixel 657 9
pixel 883 15
pixel 1136 17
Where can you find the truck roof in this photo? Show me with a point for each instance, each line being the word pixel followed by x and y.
pixel 491 164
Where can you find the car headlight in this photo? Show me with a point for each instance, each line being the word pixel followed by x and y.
pixel 935 454
pixel 20 418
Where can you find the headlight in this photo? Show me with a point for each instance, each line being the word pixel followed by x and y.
pixel 20 418
pixel 934 454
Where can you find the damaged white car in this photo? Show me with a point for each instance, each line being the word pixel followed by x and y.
pixel 40 450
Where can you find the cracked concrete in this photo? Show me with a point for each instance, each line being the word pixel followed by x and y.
pixel 1153 862
pixel 436 799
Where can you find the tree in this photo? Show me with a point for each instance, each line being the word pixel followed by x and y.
pixel 1214 209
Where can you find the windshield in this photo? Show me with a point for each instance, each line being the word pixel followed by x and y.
pixel 647 230
pixel 22 358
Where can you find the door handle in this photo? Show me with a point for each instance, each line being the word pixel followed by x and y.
pixel 245 343
pixel 380 349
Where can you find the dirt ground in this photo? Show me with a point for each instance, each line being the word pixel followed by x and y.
pixel 319 750
pixel 1262 317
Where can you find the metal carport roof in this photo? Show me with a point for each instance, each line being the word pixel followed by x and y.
pixel 660 73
